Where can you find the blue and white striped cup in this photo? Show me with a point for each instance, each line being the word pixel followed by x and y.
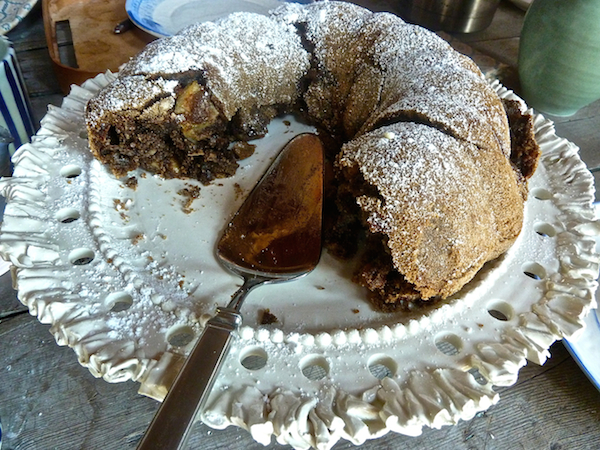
pixel 15 108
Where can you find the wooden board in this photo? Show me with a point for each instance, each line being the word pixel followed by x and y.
pixel 81 39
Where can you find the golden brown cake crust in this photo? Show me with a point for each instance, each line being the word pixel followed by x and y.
pixel 443 206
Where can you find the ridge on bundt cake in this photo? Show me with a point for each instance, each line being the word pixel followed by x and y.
pixel 430 177
pixel 176 107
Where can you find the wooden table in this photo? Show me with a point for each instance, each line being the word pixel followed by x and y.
pixel 48 401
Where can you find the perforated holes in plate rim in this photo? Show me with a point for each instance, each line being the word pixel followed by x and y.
pixel 180 335
pixel 314 367
pixel 477 376
pixel 382 366
pixel 544 229
pixel 449 344
pixel 541 194
pixel 254 358
pixel 81 256
pixel 534 270
pixel 67 215
pixel 500 310
pixel 70 171
pixel 119 301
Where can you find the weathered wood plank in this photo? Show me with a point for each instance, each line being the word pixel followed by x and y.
pixel 29 34
pixel 9 304
pixel 32 53
pixel 38 73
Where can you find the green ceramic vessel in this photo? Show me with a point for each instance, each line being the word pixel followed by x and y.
pixel 559 55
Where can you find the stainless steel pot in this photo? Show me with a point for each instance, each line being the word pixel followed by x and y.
pixel 463 16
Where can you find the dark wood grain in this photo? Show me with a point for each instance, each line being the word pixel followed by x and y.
pixel 9 304
pixel 49 401
pixel 29 40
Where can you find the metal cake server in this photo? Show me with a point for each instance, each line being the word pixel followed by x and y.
pixel 275 236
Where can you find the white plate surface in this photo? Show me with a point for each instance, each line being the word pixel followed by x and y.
pixel 167 17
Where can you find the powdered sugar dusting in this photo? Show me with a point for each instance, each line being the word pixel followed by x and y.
pixel 119 97
pixel 246 60
pixel 442 212
pixel 391 70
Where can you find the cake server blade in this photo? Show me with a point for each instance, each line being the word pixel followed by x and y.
pixel 275 236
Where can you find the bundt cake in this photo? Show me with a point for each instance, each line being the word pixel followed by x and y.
pixel 428 184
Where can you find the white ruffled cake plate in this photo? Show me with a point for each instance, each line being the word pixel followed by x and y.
pixel 124 272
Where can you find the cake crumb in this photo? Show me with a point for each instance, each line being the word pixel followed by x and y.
pixel 121 208
pixel 131 183
pixel 189 194
pixel 243 150
pixel 267 318
pixel 239 192
pixel 119 204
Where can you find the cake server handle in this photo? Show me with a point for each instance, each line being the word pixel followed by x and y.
pixel 171 425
